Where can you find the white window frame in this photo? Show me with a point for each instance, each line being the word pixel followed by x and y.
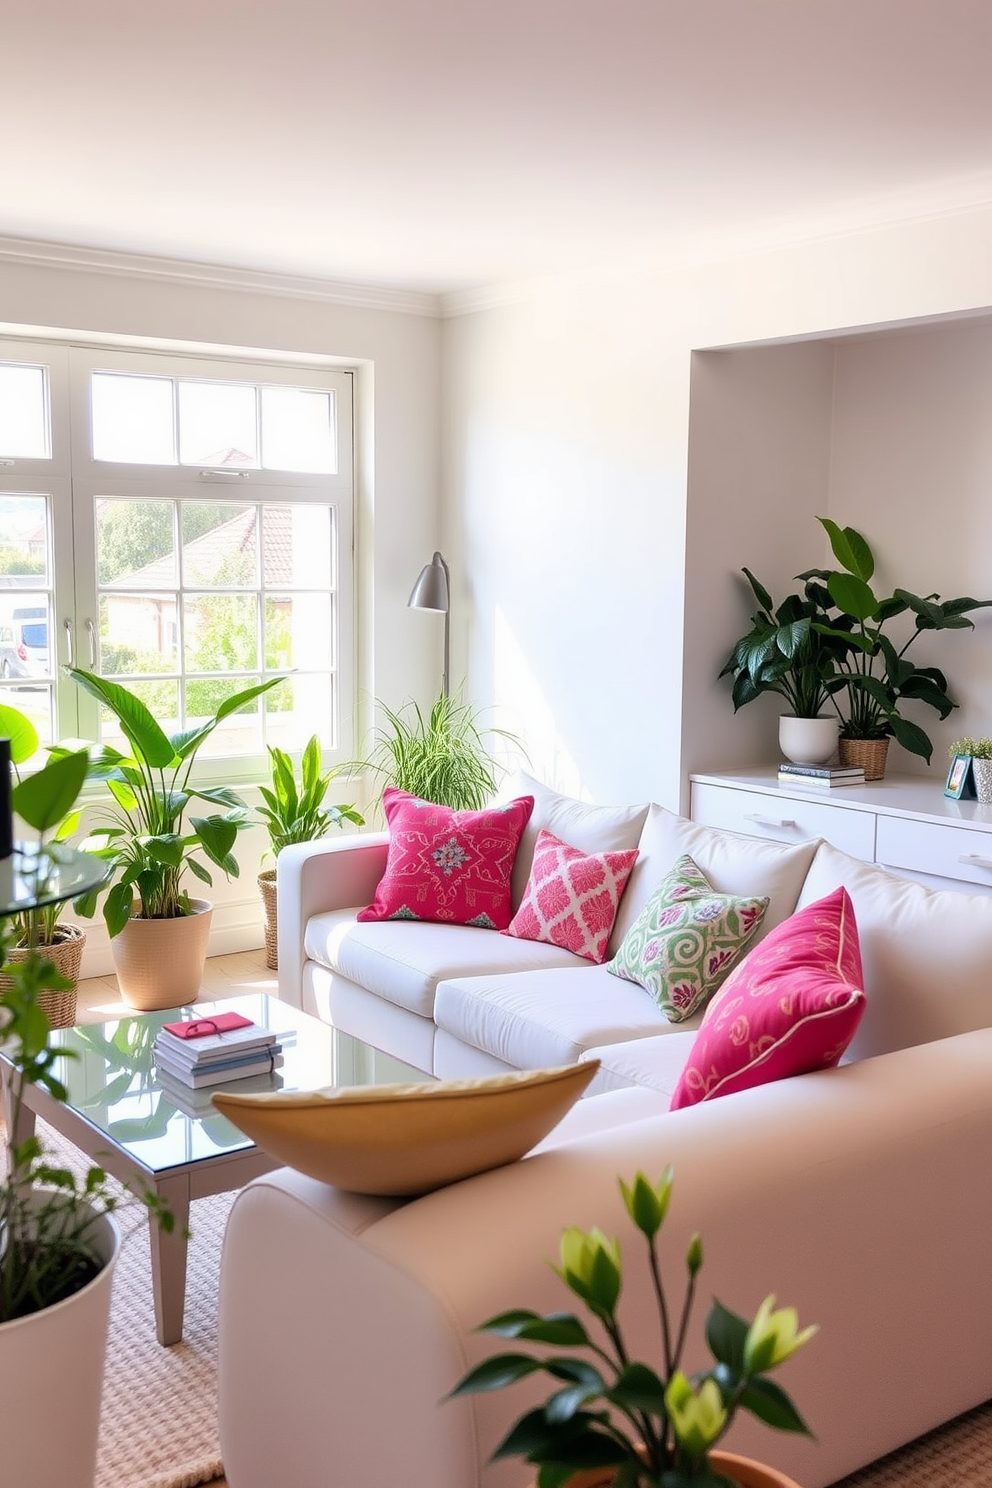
pixel 74 480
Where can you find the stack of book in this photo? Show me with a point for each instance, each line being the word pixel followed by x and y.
pixel 215 1050
pixel 820 776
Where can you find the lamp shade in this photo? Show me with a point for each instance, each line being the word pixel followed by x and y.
pixel 430 592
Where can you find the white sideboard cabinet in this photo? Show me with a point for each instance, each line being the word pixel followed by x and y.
pixel 904 822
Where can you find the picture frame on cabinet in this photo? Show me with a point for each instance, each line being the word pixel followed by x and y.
pixel 959 782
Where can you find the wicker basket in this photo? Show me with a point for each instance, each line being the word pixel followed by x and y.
pixel 67 953
pixel 267 886
pixel 870 754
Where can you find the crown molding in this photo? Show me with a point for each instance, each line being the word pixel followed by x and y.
pixel 942 201
pixel 41 254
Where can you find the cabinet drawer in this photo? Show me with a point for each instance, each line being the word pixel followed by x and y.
pixel 929 847
pixel 784 818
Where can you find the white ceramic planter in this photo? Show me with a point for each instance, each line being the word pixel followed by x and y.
pixel 807 741
pixel 51 1365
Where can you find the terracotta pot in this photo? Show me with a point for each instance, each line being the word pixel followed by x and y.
pixel 267 888
pixel 741 1470
pixel 51 1364
pixel 67 954
pixel 870 754
pixel 159 963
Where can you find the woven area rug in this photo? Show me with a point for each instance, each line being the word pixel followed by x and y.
pixel 958 1455
pixel 158 1427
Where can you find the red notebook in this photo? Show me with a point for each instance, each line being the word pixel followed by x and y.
pixel 195 1028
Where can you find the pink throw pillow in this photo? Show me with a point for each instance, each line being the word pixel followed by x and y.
pixel 572 897
pixel 452 866
pixel 791 1006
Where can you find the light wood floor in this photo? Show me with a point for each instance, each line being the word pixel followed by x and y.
pixel 98 999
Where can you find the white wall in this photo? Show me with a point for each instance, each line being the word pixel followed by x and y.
pixel 566 472
pixel 396 356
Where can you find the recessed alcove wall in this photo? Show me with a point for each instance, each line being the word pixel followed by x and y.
pixel 889 431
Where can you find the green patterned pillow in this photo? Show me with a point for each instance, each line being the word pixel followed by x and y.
pixel 686 939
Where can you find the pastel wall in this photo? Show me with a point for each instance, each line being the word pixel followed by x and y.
pixel 600 526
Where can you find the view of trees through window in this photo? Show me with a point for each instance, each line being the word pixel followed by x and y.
pixel 170 553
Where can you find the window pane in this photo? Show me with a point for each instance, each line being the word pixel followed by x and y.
pixel 299 632
pixel 24 541
pixel 136 544
pixel 137 634
pixel 220 544
pixel 220 632
pixel 24 428
pixel 36 703
pixel 133 419
pixel 299 707
pixel 217 424
pixel 297 546
pixel 298 431
pixel 240 733
pixel 24 635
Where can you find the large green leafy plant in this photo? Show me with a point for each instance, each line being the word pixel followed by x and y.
pixel 653 1425
pixel 144 834
pixel 441 756
pixel 293 808
pixel 48 1215
pixel 873 675
pixel 784 652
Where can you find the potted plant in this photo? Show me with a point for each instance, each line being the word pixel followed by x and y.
pixel 784 654
pixel 874 676
pixel 979 751
pixel 58 1238
pixel 614 1420
pixel 158 934
pixel 440 757
pixel 294 811
pixel 40 925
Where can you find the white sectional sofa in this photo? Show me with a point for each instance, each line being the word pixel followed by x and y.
pixel 859 1194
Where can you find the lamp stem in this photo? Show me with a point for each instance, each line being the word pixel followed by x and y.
pixel 446 674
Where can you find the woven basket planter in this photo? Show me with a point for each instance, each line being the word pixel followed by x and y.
pixel 870 754
pixel 267 888
pixel 67 953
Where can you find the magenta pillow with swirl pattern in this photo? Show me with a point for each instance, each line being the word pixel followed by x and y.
pixel 448 866
pixel 791 1006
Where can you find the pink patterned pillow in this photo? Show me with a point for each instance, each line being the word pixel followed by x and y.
pixel 452 866
pixel 791 1006
pixel 572 897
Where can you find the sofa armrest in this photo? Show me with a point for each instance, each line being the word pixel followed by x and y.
pixel 857 1195
pixel 312 877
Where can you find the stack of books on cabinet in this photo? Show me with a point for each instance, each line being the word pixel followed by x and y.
pixel 214 1051
pixel 820 777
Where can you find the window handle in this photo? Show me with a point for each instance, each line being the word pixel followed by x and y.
pixel 91 632
pixel 69 648
pixel 768 821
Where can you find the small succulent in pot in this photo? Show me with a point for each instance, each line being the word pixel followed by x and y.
pixel 974 748
pixel 652 1425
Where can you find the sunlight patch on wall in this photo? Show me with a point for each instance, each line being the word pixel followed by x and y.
pixel 523 709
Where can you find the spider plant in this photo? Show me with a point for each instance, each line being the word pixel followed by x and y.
pixel 440 756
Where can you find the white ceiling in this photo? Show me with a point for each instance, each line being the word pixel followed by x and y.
pixel 443 144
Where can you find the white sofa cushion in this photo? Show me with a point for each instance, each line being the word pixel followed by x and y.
pixel 732 863
pixel 580 824
pixel 532 1019
pixel 926 953
pixel 403 960
pixel 652 1063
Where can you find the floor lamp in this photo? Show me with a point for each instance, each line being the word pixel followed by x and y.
pixel 432 591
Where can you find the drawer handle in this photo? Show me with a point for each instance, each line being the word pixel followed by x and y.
pixel 976 859
pixel 770 821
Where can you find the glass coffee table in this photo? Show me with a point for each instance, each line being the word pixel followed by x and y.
pixel 157 1135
